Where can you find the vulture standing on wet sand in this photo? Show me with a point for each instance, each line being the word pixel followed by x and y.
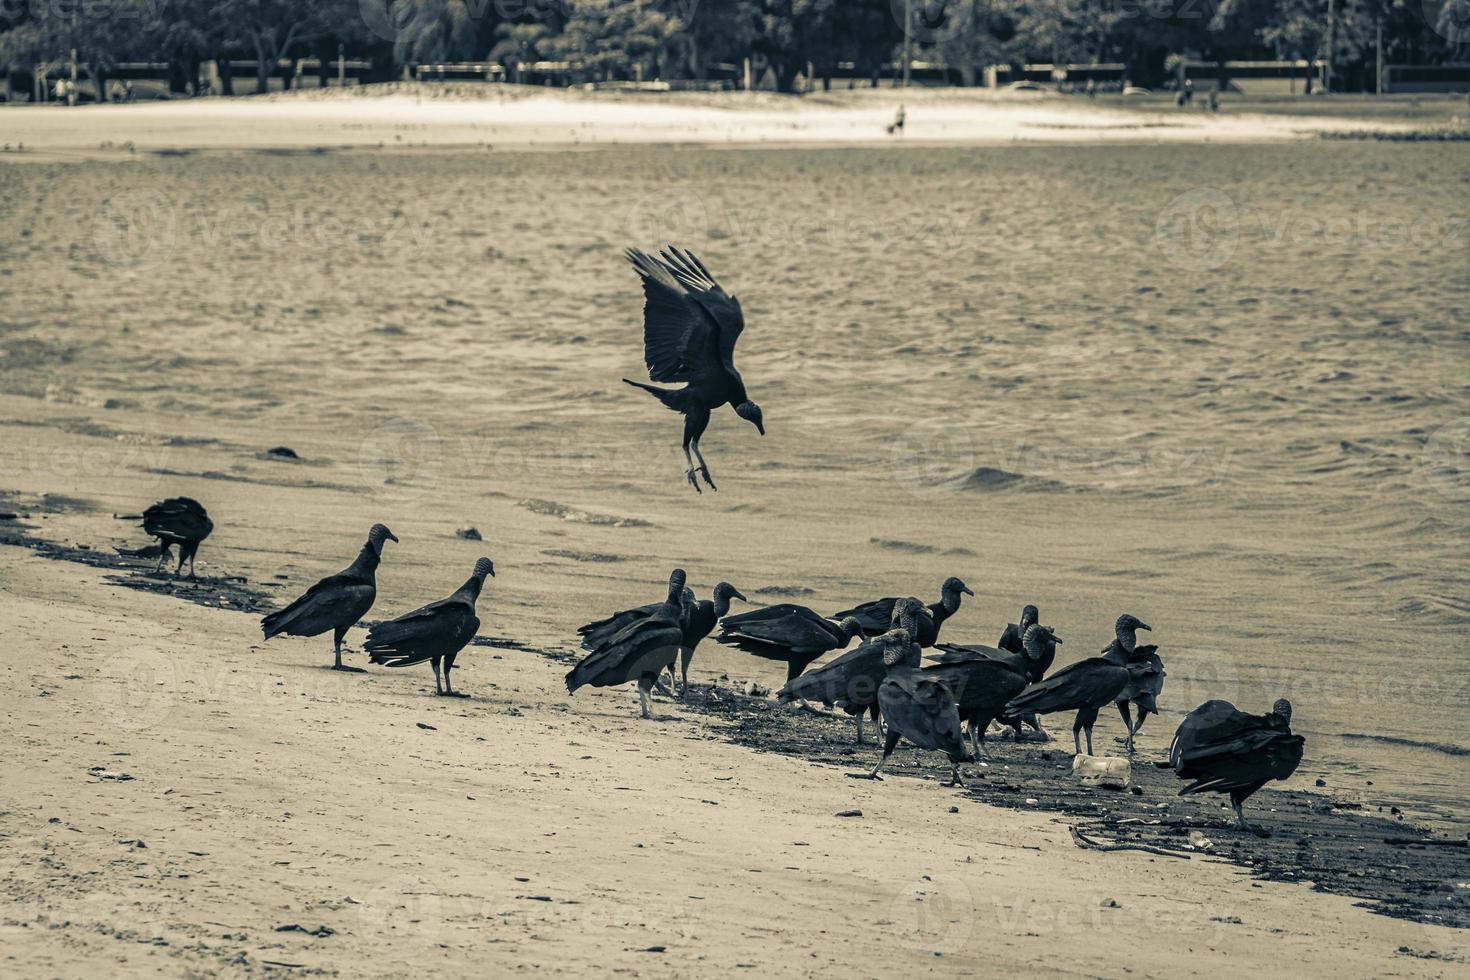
pixel 917 706
pixel 1228 751
pixel 1144 691
pixel 1011 640
pixel 178 521
pixel 1084 687
pixel 788 633
pixel 337 602
pixel 851 681
pixel 436 632
pixel 596 634
pixel 877 616
pixel 699 622
pixel 641 651
pixel 690 326
pixel 982 682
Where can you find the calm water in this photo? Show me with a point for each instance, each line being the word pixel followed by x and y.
pixel 1224 388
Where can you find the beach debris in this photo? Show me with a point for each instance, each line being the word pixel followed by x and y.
pixel 1199 841
pixel 848 813
pixel 282 452
pixel 427 728
pixel 1110 903
pixel 321 932
pixel 1107 772
pixel 468 533
pixel 97 772
pixel 752 689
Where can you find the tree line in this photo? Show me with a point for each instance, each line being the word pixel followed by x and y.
pixel 786 40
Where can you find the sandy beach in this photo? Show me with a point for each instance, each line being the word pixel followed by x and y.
pixel 1218 385
pixel 250 812
pixel 506 116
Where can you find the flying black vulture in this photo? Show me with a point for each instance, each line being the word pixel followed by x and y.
pixel 1228 751
pixel 690 326
pixel 178 521
pixel 791 634
pixel 436 632
pixel 851 681
pixel 1083 687
pixel 337 602
pixel 703 616
pixel 916 705
pixel 642 651
pixel 984 679
pixel 877 616
pixel 1144 691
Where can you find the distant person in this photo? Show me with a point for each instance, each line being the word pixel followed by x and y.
pixel 895 128
pixel 1092 88
pixel 1214 100
pixel 1186 94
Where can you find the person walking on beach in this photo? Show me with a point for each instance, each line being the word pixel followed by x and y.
pixel 895 128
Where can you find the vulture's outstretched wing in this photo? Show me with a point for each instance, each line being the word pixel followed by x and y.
pixel 690 324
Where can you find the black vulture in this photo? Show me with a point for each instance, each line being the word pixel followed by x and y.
pixel 703 616
pixel 1083 687
pixel 1144 691
pixel 690 326
pixel 851 681
pixel 178 521
pixel 788 633
pixel 1228 751
pixel 337 602
pixel 878 617
pixel 641 651
pixel 1011 641
pixel 916 706
pixel 984 679
pixel 596 634
pixel 435 633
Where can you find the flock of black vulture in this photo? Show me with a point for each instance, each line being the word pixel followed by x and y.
pixel 690 328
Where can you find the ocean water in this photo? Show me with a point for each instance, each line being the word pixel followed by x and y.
pixel 1223 388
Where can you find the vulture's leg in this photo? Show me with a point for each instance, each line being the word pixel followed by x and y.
pixel 1127 723
pixel 192 552
pixel 448 666
pixel 888 746
pixel 179 570
pixel 1045 735
pixel 685 656
pixel 162 555
pixel 438 687
pixel 694 424
pixel 703 467
pixel 1239 814
pixel 954 776
pixel 643 687
pixel 859 719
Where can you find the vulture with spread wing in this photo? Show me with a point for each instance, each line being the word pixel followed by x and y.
pixel 690 326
